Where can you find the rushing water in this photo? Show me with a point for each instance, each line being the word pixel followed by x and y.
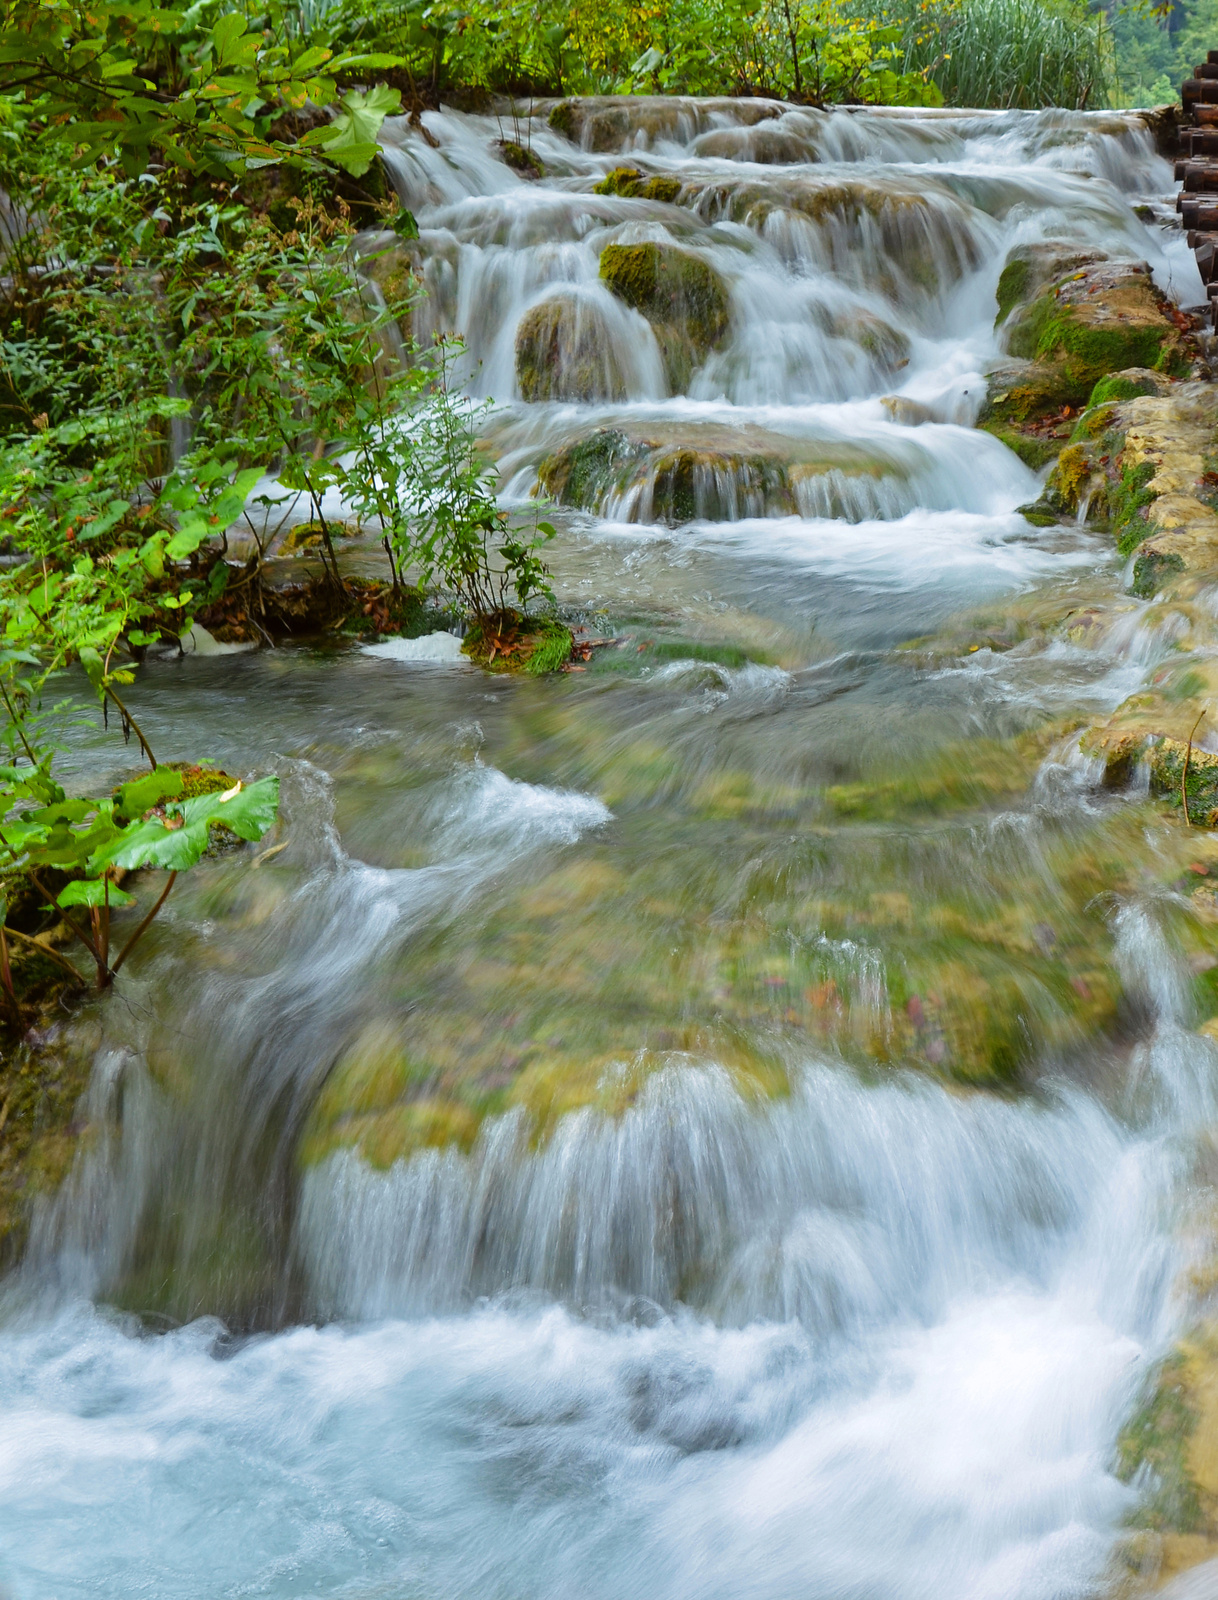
pixel 715 1299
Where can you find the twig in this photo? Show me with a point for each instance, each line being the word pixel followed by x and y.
pixel 127 948
pixel 1188 821
pixel 45 949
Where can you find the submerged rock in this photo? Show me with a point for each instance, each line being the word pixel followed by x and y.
pixel 563 352
pixel 724 475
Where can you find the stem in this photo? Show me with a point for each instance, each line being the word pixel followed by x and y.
pixel 135 727
pixel 18 724
pixel 140 931
pixel 45 950
pixel 1184 775
pixel 6 973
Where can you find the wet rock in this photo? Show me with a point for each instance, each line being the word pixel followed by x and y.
pixel 521 159
pixel 563 353
pixel 581 474
pixel 631 184
pixel 683 298
pixel 767 146
pixel 887 346
pixel 618 122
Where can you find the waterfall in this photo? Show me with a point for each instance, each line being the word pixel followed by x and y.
pixel 581 1161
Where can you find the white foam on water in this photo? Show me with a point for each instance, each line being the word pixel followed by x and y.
pixel 438 647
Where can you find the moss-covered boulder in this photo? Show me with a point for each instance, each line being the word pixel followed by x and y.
pixel 1099 318
pixel 631 184
pixel 522 159
pixel 680 294
pixel 583 473
pixel 563 353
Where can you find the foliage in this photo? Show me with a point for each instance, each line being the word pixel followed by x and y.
pixel 1156 49
pixel 453 528
pixel 204 88
pixel 810 50
pixel 1010 53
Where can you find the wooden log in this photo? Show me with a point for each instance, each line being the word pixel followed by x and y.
pixel 1205 116
pixel 1207 69
pixel 1198 177
pixel 1211 56
pixel 1199 90
pixel 1201 142
pixel 1197 239
pixel 1203 217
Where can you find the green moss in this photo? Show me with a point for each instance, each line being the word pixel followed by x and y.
pixel 1093 349
pixel 1033 451
pixel 1150 571
pixel 1094 422
pixel 563 120
pixel 631 184
pixel 553 647
pixel 669 286
pixel 1128 497
pixel 1118 386
pixel 1156 1440
pixel 580 474
pixel 1012 288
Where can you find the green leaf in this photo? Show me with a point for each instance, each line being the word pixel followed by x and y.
pixel 94 666
pixel 404 225
pixel 94 892
pixel 134 798
pixel 350 140
pixel 249 812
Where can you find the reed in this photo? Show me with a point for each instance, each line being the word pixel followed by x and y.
pixel 1012 54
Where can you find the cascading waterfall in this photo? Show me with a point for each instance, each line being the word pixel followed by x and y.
pixel 760 1314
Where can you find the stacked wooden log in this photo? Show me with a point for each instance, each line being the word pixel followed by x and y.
pixel 1197 172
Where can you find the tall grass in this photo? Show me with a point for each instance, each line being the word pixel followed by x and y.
pixel 1011 53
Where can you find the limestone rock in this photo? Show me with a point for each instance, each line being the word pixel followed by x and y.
pixel 683 298
pixel 564 353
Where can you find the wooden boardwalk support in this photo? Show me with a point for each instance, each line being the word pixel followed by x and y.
pixel 1197 172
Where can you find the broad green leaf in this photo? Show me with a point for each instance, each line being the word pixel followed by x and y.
pixel 350 140
pixel 134 798
pixel 94 892
pixel 249 812
pixel 404 225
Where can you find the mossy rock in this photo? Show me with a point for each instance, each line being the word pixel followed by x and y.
pixel 631 184
pixel 581 474
pixel 672 288
pixel 521 159
pixel 1101 319
pixel 562 353
pixel 1030 268
pixel 1129 385
pixel 887 346
pixel 1032 450
pixel 1167 759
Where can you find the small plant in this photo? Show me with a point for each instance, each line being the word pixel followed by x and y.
pixel 453 528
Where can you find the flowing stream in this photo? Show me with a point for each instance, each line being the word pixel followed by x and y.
pixel 517 1186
